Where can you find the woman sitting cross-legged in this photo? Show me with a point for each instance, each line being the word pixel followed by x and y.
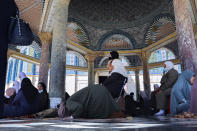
pixel 180 95
pixel 25 102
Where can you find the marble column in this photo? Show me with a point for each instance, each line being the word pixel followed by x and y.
pixel 58 54
pixel 137 82
pixel 76 81
pixel 186 43
pixel 45 37
pixel 91 73
pixel 146 76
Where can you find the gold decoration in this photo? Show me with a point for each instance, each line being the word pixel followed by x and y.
pixel 45 37
pixel 84 44
pixel 150 41
pixel 78 31
pixel 154 28
pixel 90 57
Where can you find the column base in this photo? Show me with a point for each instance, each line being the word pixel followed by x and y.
pixel 55 101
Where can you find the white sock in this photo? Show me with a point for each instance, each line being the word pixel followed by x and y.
pixel 160 113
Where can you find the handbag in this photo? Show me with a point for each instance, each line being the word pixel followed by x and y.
pixel 19 32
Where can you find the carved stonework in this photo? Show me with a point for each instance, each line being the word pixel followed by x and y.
pixel 90 57
pixel 45 37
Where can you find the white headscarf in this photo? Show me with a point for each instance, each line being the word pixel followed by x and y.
pixel 119 67
pixel 169 65
pixel 22 75
pixel 16 86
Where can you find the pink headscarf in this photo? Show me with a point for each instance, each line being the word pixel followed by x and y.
pixel 16 86
pixel 22 75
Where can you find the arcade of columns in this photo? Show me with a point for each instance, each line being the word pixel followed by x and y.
pixel 184 34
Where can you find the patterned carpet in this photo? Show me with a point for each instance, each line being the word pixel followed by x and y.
pixel 127 124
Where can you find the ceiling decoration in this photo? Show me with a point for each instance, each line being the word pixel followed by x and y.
pixel 110 14
pixel 30 11
pixel 157 29
pixel 76 33
pixel 116 40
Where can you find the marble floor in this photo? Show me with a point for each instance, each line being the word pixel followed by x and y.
pixel 127 124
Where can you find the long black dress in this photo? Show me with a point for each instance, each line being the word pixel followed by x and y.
pixel 114 84
pixel 7 9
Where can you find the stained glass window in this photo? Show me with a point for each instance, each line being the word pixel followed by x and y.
pixel 162 54
pixel 75 59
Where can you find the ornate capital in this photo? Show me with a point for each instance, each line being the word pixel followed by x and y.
pixel 45 37
pixel 90 57
pixel 145 56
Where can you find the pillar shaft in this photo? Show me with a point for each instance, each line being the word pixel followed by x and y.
pixel 185 35
pixel 91 74
pixel 58 55
pixel 146 76
pixel 186 43
pixel 137 81
pixel 43 71
pixel 76 81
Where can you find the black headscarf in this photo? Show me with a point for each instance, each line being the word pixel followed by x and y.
pixel 29 91
pixel 43 86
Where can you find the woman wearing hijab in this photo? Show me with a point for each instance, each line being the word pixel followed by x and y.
pixel 16 86
pixel 181 93
pixel 167 81
pixel 118 76
pixel 25 102
pixel 10 93
pixel 44 97
pixel 153 102
pixel 21 76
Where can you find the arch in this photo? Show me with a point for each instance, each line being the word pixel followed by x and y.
pixel 161 54
pixel 81 25
pixel 82 61
pixel 104 60
pixel 77 33
pixel 106 36
pixel 154 28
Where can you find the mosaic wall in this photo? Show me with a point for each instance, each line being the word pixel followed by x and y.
pixel 115 13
